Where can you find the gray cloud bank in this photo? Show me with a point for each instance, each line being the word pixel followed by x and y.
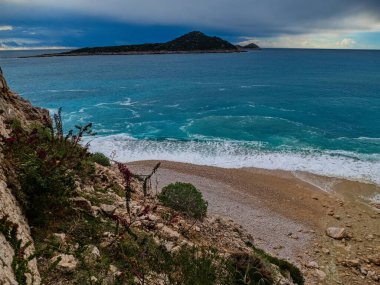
pixel 259 17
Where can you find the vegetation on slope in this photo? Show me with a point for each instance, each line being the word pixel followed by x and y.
pixel 184 197
pixel 85 233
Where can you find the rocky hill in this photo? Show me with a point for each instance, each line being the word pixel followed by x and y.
pixel 193 42
pixel 251 46
pixel 67 219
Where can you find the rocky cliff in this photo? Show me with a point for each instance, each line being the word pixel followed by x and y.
pixel 14 107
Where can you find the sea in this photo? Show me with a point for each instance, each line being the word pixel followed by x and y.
pixel 290 109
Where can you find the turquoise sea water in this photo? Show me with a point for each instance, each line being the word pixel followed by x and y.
pixel 312 110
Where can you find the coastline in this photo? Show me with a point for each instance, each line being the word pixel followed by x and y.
pixel 136 53
pixel 287 213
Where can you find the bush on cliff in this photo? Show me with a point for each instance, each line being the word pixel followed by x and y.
pixel 249 269
pixel 100 158
pixel 144 260
pixel 284 265
pixel 184 197
pixel 46 163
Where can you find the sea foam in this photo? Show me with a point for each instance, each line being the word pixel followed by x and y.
pixel 235 154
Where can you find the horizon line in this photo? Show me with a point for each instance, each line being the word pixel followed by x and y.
pixel 44 48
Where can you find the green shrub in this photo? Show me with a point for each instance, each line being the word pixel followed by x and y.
pixel 100 158
pixel 184 197
pixel 249 270
pixel 284 266
pixel 143 259
pixel 200 266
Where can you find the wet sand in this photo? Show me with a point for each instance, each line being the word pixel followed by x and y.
pixel 287 213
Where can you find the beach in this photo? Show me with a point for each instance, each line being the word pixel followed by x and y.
pixel 288 213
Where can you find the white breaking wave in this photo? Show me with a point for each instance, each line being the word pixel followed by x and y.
pixel 375 199
pixel 254 85
pixel 67 90
pixel 230 154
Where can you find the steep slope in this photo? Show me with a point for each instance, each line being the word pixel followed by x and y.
pixel 11 107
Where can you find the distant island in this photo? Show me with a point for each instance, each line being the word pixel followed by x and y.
pixel 193 42
pixel 251 46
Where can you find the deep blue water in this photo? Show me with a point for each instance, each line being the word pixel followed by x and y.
pixel 313 110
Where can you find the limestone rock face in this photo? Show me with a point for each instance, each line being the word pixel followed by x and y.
pixel 12 106
pixel 3 83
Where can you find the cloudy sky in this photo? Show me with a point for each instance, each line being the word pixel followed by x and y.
pixel 270 23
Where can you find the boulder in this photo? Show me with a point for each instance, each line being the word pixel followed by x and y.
pixel 112 275
pixel 320 274
pixel 91 254
pixel 108 209
pixel 169 233
pixel 375 259
pixel 67 264
pixel 59 238
pixel 312 264
pixel 336 233
pixel 82 203
pixel 352 262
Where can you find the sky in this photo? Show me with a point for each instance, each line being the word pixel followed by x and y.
pixel 43 24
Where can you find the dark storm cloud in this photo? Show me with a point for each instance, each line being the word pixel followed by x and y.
pixel 262 17
pixel 89 22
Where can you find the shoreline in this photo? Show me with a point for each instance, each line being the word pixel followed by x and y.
pixel 135 53
pixel 233 154
pixel 286 215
